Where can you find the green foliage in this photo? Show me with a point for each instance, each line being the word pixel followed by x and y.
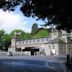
pixel 1 33
pixel 26 36
pixel 22 36
pixel 5 40
pixel 1 37
pixel 41 33
pixel 16 31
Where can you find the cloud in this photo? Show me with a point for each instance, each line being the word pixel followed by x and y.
pixel 10 21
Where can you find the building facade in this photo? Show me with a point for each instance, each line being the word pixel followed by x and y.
pixel 57 43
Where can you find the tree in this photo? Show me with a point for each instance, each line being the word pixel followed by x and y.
pixel 7 41
pixel 9 4
pixel 57 12
pixel 1 37
pixel 41 33
pixel 12 34
pixel 22 36
pixel 34 28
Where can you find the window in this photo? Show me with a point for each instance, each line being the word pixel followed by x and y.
pixel 49 46
pixel 30 41
pixel 38 40
pixel 68 48
pixel 47 39
pixel 53 47
pixel 26 41
pixel 34 40
pixel 54 34
pixel 19 42
pixel 23 42
pixel 42 39
pixel 61 48
pixel 61 45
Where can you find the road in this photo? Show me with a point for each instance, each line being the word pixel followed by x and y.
pixel 32 63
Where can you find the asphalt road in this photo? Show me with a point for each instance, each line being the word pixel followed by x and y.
pixel 32 64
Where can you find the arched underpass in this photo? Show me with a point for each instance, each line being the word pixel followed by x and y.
pixel 32 50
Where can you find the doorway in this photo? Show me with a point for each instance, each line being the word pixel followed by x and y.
pixel 32 52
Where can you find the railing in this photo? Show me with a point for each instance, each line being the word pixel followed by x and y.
pixel 14 53
pixel 3 53
pixel 19 53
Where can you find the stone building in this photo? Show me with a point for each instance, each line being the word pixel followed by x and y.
pixel 57 43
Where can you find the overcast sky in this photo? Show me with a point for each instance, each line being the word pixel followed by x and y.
pixel 16 20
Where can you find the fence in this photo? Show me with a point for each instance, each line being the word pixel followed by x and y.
pixel 27 53
pixel 3 53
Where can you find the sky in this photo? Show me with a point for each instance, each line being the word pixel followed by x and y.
pixel 10 21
